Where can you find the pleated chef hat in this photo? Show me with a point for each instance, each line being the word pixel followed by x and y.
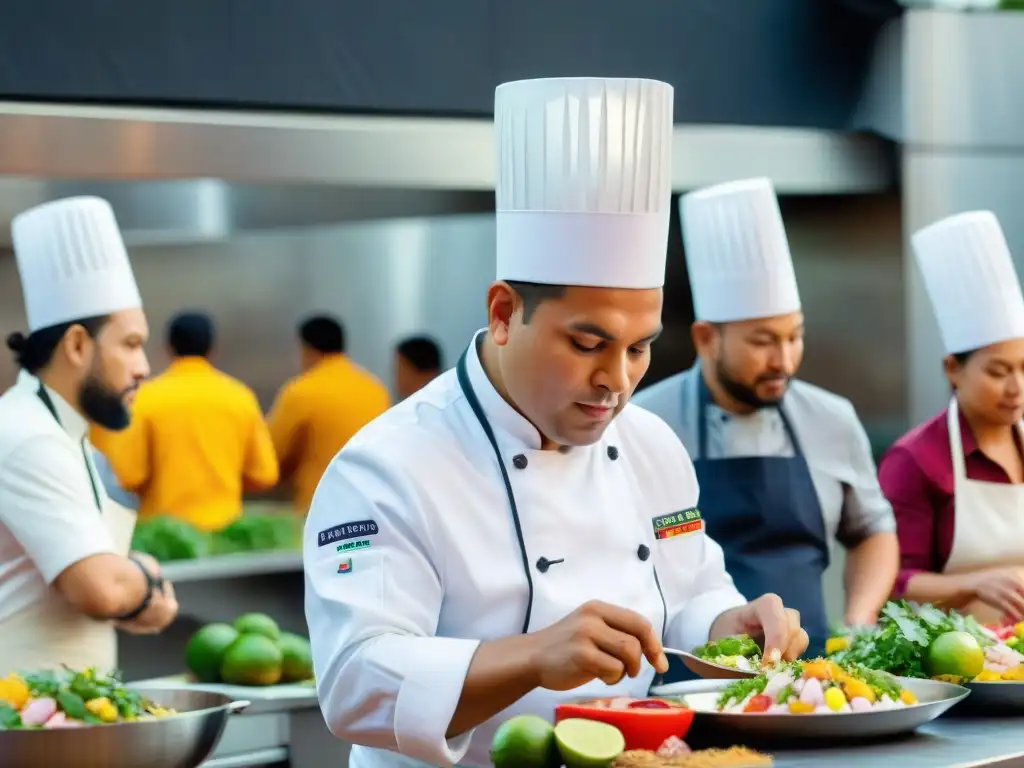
pixel 969 275
pixel 72 262
pixel 737 254
pixel 583 188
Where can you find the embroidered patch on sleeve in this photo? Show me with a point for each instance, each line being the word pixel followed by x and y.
pixel 357 530
pixel 677 524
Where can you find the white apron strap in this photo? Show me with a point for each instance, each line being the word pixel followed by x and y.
pixel 956 445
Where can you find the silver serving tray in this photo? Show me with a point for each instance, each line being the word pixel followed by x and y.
pixel 934 698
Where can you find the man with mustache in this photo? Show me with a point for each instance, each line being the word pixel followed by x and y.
pixel 515 534
pixel 66 574
pixel 785 468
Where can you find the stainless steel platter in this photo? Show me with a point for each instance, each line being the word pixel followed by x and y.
pixel 1005 696
pixel 933 697
pixel 183 740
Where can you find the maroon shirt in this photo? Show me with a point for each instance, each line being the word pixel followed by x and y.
pixel 916 475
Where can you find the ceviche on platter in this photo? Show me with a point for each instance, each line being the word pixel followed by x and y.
pixel 70 699
pixel 818 687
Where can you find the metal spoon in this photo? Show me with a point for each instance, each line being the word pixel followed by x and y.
pixel 709 670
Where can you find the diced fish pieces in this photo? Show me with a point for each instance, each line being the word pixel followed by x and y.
pixel 619 703
pixel 778 709
pixel 812 693
pixel 673 746
pixel 60 720
pixel 860 704
pixel 777 683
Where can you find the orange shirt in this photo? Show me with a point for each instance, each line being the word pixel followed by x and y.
pixel 316 414
pixel 196 441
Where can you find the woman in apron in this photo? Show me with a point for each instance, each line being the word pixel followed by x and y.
pixel 956 482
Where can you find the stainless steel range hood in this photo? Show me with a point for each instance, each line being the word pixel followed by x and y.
pixel 191 175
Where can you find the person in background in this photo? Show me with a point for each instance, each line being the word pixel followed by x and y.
pixel 316 413
pixel 197 440
pixel 66 572
pixel 417 363
pixel 956 482
pixel 785 467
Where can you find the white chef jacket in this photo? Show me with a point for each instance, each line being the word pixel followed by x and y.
pixel 833 441
pixel 412 560
pixel 48 519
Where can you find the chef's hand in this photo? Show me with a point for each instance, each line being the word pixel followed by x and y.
pixel 767 618
pixel 150 563
pixel 596 641
pixel 1002 588
pixel 161 611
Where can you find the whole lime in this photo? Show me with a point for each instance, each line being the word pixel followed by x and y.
pixel 955 655
pixel 525 741
pixel 297 658
pixel 205 650
pixel 252 659
pixel 258 623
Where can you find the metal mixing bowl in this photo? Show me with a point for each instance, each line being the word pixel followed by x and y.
pixel 183 740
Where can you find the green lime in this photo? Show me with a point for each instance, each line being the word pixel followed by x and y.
pixel 525 741
pixel 205 651
pixel 955 655
pixel 258 623
pixel 588 743
pixel 252 660
pixel 297 658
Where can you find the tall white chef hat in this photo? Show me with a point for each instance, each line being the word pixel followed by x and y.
pixel 584 181
pixel 737 254
pixel 969 276
pixel 72 262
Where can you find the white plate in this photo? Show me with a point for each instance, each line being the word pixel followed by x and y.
pixel 933 697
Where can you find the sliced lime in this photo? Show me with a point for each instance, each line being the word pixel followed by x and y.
pixel 588 743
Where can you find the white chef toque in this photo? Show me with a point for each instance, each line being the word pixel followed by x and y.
pixel 72 262
pixel 969 275
pixel 584 181
pixel 737 254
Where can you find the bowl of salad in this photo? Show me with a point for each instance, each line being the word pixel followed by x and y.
pixel 92 719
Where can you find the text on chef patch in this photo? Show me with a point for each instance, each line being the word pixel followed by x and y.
pixel 358 529
pixel 677 524
pixel 348 546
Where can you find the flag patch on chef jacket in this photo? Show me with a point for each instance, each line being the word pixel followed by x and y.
pixel 677 524
pixel 357 530
pixel 345 566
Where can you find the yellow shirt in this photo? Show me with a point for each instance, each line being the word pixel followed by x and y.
pixel 316 414
pixel 196 441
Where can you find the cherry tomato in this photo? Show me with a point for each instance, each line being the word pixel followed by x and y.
pixel 759 703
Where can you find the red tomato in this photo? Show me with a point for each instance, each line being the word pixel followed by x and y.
pixel 759 703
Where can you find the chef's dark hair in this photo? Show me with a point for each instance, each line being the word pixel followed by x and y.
pixel 190 334
pixel 533 294
pixel 323 333
pixel 963 357
pixel 422 352
pixel 35 351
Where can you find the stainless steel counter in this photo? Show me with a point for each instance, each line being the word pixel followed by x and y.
pixel 232 566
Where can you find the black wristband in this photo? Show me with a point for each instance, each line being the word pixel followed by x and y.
pixel 152 583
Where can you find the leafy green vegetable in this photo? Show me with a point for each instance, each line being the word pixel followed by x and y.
pixel 9 718
pixel 899 644
pixel 784 695
pixel 740 689
pixel 257 533
pixel 737 645
pixel 168 539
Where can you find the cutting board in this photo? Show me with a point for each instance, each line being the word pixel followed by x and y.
pixel 289 691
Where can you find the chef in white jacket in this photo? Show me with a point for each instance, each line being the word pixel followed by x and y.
pixel 515 534
pixel 66 574
pixel 785 467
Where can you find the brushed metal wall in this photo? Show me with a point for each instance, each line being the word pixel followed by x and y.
pixel 389 278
